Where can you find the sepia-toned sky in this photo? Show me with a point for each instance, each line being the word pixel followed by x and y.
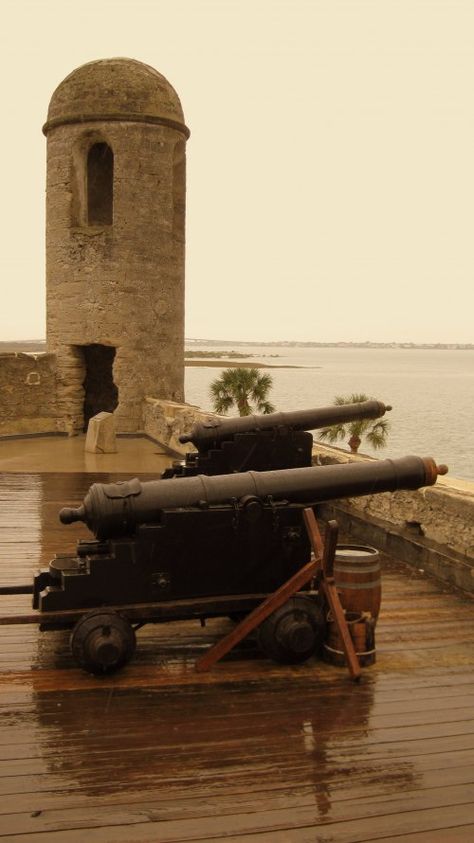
pixel 330 164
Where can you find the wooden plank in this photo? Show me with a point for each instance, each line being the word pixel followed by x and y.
pixel 248 792
pixel 171 610
pixel 176 811
pixel 345 825
pixel 461 834
pixel 251 749
pixel 224 717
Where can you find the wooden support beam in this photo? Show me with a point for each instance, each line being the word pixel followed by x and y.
pixel 328 585
pixel 330 546
pixel 255 618
pixel 323 561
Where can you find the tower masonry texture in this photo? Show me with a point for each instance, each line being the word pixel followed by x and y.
pixel 115 240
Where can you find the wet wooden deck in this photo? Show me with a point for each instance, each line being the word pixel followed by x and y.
pixel 250 752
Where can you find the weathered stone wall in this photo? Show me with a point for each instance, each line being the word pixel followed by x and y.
pixel 121 285
pixel 165 421
pixel 27 394
pixel 443 513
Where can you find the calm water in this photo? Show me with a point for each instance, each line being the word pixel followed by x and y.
pixel 432 393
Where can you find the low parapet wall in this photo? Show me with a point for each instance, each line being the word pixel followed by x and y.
pixel 27 394
pixel 431 528
pixel 165 421
pixel 443 513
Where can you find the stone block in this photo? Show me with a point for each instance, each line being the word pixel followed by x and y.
pixel 100 437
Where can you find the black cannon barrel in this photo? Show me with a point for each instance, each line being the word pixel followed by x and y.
pixel 210 434
pixel 115 509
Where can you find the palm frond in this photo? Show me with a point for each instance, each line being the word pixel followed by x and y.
pixel 358 398
pixel 354 398
pixel 359 427
pixel 333 433
pixel 378 434
pixel 265 407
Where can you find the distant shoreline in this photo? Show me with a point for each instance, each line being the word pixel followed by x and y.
pixel 192 346
pixel 218 362
pixel 439 346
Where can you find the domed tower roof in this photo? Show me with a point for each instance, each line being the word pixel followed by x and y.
pixel 115 89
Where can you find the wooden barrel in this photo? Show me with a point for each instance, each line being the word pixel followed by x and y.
pixel 358 578
pixel 361 630
pixel 354 621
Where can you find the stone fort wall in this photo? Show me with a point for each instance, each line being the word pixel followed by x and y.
pixel 27 394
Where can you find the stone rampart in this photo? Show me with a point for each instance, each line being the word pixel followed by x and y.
pixel 27 394
pixel 443 513
pixel 166 420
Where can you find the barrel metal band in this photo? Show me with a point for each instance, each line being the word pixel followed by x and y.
pixel 356 586
pixel 341 652
pixel 347 569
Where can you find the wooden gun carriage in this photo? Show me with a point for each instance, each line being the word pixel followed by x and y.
pixel 198 547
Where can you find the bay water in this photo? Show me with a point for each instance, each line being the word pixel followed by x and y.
pixel 431 391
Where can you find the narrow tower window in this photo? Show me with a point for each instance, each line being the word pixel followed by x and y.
pixel 100 185
pixel 179 190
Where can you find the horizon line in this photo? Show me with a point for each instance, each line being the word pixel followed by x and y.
pixel 433 343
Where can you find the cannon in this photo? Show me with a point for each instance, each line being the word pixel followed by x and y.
pixel 263 443
pixel 118 509
pixel 202 546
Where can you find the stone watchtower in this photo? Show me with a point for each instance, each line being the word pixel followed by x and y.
pixel 115 210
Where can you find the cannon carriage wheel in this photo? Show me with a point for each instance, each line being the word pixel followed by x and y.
pixel 102 641
pixel 294 632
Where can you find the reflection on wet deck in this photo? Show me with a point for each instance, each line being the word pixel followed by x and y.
pixel 67 454
pixel 251 751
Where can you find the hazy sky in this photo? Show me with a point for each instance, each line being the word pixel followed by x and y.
pixel 330 164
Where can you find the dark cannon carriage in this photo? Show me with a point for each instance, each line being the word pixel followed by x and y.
pixel 199 547
pixel 211 538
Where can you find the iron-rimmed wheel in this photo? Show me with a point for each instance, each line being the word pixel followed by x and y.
pixel 102 642
pixel 294 632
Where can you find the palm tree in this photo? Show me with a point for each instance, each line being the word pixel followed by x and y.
pixel 240 387
pixel 376 432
